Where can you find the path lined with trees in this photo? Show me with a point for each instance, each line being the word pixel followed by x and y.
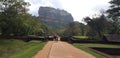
pixel 16 21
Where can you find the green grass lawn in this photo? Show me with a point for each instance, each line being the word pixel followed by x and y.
pixel 80 37
pixel 83 45
pixel 19 49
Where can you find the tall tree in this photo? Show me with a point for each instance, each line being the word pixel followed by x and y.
pixel 114 14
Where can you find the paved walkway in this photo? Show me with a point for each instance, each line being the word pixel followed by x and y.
pixel 61 50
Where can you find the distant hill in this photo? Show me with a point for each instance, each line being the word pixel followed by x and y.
pixel 54 18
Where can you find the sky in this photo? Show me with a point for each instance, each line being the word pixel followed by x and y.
pixel 78 8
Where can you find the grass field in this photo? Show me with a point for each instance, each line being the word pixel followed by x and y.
pixel 83 45
pixel 19 49
pixel 80 37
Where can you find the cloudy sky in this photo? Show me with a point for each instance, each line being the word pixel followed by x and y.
pixel 78 8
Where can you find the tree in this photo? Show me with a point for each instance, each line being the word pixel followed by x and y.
pixel 36 27
pixel 14 19
pixel 97 26
pixel 82 29
pixel 47 30
pixel 11 16
pixel 114 14
pixel 72 29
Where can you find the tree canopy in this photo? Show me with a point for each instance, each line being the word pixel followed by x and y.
pixel 98 26
pixel 14 19
pixel 114 14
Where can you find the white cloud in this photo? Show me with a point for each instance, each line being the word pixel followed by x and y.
pixel 35 4
pixel 78 8
pixel 82 8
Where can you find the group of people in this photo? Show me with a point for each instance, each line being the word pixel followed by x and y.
pixel 55 38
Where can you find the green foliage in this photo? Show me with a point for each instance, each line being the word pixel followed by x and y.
pixel 97 26
pixel 82 29
pixel 14 19
pixel 47 30
pixel 11 17
pixel 32 26
pixel 73 29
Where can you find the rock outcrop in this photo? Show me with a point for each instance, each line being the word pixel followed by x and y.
pixel 54 18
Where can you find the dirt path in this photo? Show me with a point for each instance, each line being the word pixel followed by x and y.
pixel 44 53
pixel 61 50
